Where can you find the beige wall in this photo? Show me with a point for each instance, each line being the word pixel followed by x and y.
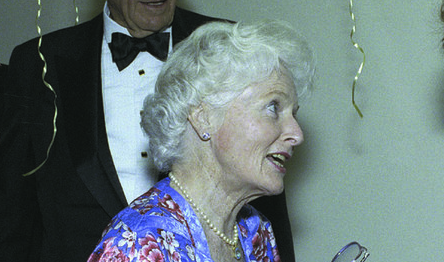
pixel 378 180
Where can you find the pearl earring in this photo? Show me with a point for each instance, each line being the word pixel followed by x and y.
pixel 206 136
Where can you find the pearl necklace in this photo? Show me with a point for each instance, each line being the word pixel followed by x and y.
pixel 230 242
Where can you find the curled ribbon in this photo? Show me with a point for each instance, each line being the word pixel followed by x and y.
pixel 361 66
pixel 44 71
pixel 77 12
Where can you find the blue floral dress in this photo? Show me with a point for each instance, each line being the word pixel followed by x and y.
pixel 161 226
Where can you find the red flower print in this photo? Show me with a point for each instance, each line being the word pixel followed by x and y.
pixel 260 245
pixel 147 240
pixel 141 205
pixel 271 237
pixel 169 204
pixel 176 257
pixel 154 191
pixel 150 249
pixel 120 256
pixel 109 253
pixel 150 254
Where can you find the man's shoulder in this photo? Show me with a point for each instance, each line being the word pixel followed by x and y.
pixel 66 35
pixel 93 25
pixel 185 22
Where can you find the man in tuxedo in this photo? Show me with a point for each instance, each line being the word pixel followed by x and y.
pixel 79 131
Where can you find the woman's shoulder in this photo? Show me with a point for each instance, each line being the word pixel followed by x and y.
pixel 159 203
pixel 152 225
pixel 123 242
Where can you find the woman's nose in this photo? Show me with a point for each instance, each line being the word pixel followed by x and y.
pixel 292 132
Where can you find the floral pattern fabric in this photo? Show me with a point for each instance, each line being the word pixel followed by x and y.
pixel 161 226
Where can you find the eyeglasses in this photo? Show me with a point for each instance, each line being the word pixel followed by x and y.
pixel 352 252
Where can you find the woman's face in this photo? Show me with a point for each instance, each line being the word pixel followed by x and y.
pixel 258 135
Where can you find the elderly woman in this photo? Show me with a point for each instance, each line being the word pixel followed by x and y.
pixel 222 124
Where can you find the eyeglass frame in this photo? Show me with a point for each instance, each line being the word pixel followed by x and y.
pixel 362 250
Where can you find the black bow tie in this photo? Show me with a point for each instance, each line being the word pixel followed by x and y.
pixel 124 48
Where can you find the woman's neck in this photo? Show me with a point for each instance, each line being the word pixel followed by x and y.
pixel 219 205
pixel 218 220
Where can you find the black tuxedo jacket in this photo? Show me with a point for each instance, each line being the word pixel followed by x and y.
pixel 58 213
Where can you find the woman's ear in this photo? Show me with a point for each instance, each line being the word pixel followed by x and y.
pixel 199 119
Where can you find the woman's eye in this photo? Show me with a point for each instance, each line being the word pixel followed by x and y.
pixel 273 106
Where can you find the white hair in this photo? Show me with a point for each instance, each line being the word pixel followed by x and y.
pixel 214 65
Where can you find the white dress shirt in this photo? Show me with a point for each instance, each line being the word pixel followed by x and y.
pixel 123 95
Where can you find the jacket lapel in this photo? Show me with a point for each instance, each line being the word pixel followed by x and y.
pixel 82 117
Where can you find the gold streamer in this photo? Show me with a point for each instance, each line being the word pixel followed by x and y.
pixel 45 68
pixel 44 71
pixel 361 66
pixel 77 12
